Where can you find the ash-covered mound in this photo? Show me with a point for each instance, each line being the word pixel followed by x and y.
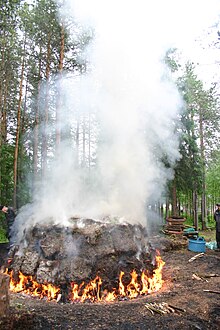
pixel 84 249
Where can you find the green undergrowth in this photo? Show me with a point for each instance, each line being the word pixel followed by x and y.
pixel 208 234
pixel 3 238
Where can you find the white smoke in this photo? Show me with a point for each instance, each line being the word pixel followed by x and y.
pixel 129 92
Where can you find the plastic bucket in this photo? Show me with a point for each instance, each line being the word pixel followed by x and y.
pixel 197 245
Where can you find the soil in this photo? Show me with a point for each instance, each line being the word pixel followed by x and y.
pixel 199 309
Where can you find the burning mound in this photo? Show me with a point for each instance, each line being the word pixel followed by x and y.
pixel 108 259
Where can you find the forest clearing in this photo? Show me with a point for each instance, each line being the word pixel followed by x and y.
pixel 109 165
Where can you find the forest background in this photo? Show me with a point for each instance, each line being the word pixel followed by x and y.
pixel 36 51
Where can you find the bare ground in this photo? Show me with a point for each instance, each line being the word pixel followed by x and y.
pixel 202 309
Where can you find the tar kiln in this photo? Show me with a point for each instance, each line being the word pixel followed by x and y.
pixel 71 257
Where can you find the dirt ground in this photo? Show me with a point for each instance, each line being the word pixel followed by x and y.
pixel 200 309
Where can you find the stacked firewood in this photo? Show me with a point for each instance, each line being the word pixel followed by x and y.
pixel 174 225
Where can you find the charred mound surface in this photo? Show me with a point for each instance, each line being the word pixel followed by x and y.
pixel 81 251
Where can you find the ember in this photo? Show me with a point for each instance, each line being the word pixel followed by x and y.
pixel 93 291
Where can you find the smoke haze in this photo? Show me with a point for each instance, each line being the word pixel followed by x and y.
pixel 135 104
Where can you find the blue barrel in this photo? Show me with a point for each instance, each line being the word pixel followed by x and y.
pixel 197 245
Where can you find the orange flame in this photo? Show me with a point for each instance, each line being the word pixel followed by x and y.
pixel 27 285
pixel 138 285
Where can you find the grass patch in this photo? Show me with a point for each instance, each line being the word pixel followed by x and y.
pixel 208 234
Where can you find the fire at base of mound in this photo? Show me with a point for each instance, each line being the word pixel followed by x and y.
pixel 88 260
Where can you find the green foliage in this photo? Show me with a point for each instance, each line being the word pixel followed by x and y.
pixel 189 220
pixel 190 161
pixel 211 222
pixel 24 171
pixel 198 127
pixel 6 168
pixel 171 61
pixel 213 178
pixel 3 238
pixel 30 30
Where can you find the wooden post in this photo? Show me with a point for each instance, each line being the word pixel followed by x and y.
pixel 4 294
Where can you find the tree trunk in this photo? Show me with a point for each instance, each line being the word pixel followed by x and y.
pixel 167 208
pixel 46 110
pixel 4 111
pixel 89 142
pixel 2 71
pixel 59 96
pixel 77 138
pixel 195 210
pixel 18 131
pixel 20 174
pixel 3 128
pixel 36 124
pixel 1 138
pixel 202 152
pixel 204 209
pixel 0 149
pixel 174 199
pixel 84 142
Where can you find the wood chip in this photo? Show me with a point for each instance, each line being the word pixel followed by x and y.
pixel 178 308
pixel 196 256
pixel 212 291
pixel 210 275
pixel 59 297
pixel 196 277
pixel 162 308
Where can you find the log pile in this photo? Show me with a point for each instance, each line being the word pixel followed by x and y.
pixel 174 225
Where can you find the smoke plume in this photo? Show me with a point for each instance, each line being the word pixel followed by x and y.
pixel 132 104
